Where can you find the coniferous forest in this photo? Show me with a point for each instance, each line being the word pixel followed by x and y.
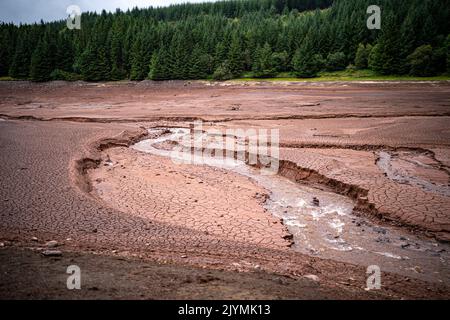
pixel 225 39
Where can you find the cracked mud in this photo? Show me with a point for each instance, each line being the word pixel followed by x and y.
pixel 356 187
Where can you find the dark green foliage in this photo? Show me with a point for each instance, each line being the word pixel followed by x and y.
pixel 448 54
pixel 58 74
pixel 42 62
pixel 264 64
pixel 223 72
pixel 362 56
pixel 94 65
pixel 426 60
pixel 20 65
pixel 236 57
pixel 336 61
pixel 306 63
pixel 420 60
pixel 229 38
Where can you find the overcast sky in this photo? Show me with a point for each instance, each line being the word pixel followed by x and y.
pixel 28 11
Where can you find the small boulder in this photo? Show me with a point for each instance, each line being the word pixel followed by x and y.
pixel 312 277
pixel 52 244
pixel 51 253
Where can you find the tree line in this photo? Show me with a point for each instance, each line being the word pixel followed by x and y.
pixel 226 39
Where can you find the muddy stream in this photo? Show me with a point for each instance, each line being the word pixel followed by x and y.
pixel 322 222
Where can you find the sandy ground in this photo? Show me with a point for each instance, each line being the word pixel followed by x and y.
pixel 146 212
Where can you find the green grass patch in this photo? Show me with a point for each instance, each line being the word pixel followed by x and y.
pixel 346 75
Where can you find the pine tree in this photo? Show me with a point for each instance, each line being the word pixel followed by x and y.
pixel 223 72
pixel 386 59
pixel 235 57
pixel 199 64
pixel 336 61
pixel 159 67
pixel 362 56
pixel 41 61
pixel 64 53
pixel 420 61
pixel 263 66
pixel 20 66
pixel 138 63
pixel 94 64
pixel 305 62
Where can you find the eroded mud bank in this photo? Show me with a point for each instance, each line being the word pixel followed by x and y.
pixel 320 214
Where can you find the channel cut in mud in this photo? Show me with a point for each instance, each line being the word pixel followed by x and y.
pixel 98 183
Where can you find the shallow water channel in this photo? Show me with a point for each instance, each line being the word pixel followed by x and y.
pixel 323 223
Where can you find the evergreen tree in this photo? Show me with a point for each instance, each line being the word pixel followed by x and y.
pixel 64 53
pixel 387 59
pixel 20 66
pixel 306 63
pixel 223 72
pixel 229 36
pixel 336 61
pixel 263 66
pixel 94 64
pixel 362 56
pixel 42 61
pixel 199 64
pixel 235 57
pixel 138 62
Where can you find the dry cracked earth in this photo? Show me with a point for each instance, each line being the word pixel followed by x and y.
pixel 141 226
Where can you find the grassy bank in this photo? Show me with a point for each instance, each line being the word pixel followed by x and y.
pixel 346 75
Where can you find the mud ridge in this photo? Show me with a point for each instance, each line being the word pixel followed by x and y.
pixel 295 173
pixel 363 207
pixel 225 119
pixel 94 158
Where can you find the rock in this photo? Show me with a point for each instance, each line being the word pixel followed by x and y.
pixel 2 244
pixel 288 237
pixel 184 256
pixel 316 202
pixel 95 230
pixel 312 277
pixel 52 244
pixel 379 230
pixel 51 253
pixel 34 239
pixel 417 269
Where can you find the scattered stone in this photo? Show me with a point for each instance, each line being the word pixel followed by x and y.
pixel 2 244
pixel 312 277
pixel 418 269
pixel 379 230
pixel 288 237
pixel 316 202
pixel 34 239
pixel 184 256
pixel 52 244
pixel 51 253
